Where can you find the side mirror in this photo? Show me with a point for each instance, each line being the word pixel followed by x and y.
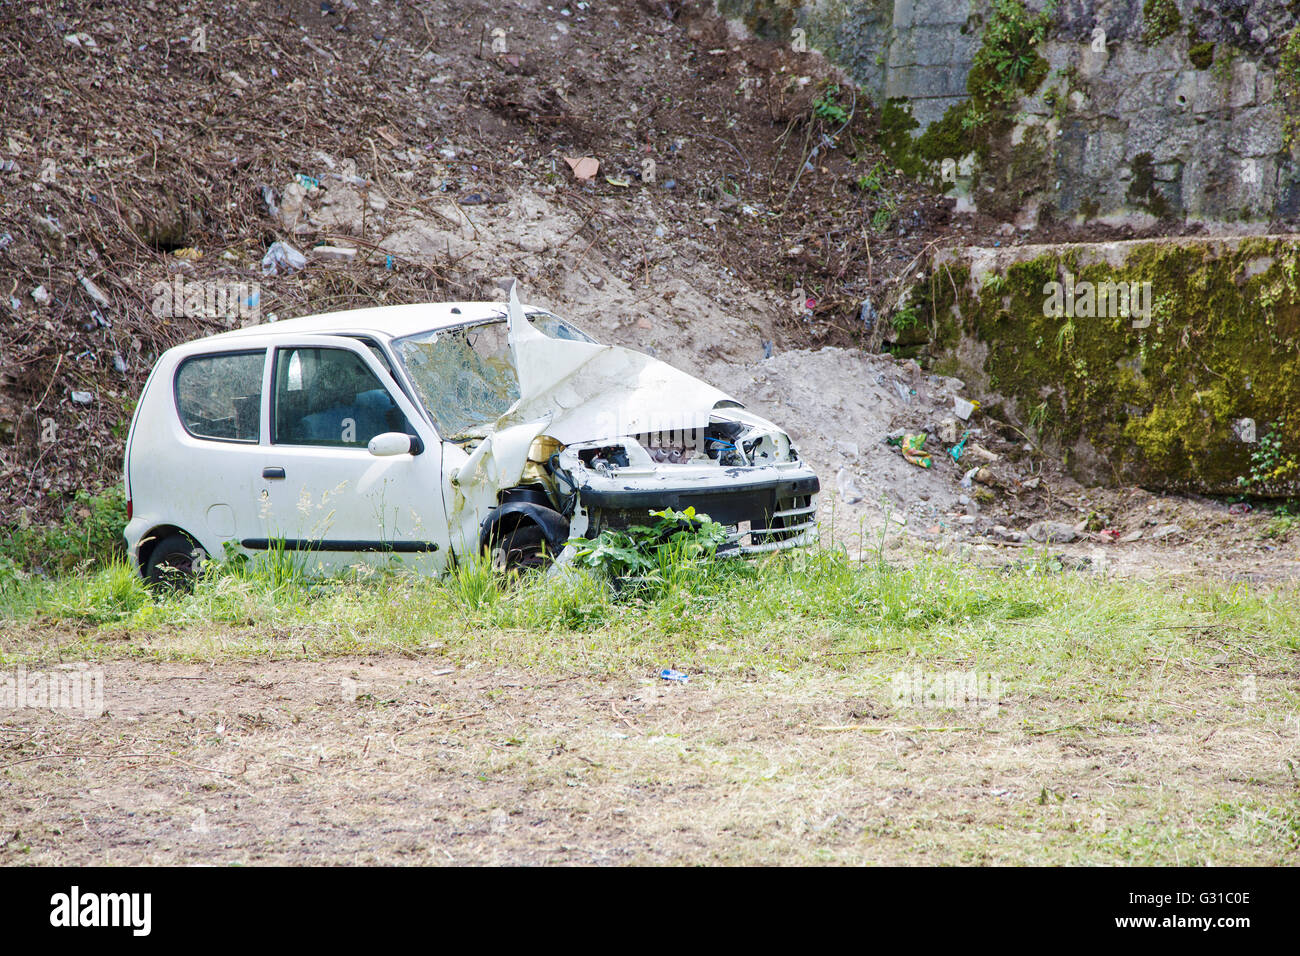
pixel 394 443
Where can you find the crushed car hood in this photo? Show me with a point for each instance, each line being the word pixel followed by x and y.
pixel 583 391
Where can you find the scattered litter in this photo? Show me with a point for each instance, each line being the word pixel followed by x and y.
pixel 670 184
pixel 967 478
pixel 189 254
pixel 957 449
pixel 472 199
pixel 1110 534
pixel 307 182
pixel 388 263
pixel 94 291
pixel 618 181
pixel 963 408
pixel 83 398
pixel 119 363
pixel 677 676
pixel 1240 508
pixel 5 240
pixel 867 314
pixel 283 257
pixel 584 167
pixel 849 492
pixel 913 448
pixel 1244 429
pixel 82 41
pixel 41 295
pixel 268 197
pixel 333 253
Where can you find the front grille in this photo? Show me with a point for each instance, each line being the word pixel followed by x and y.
pixel 766 516
pixel 790 525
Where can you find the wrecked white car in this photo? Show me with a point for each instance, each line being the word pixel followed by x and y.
pixel 432 432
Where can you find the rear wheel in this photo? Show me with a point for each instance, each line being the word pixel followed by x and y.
pixel 522 548
pixel 174 563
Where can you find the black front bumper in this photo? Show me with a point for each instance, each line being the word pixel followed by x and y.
pixel 756 502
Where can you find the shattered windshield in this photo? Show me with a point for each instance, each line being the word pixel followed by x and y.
pixel 465 376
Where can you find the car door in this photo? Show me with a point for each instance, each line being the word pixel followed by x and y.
pixel 321 494
pixel 194 452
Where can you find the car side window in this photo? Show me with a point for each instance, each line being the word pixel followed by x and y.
pixel 327 396
pixel 219 397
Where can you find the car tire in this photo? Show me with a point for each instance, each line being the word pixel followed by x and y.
pixel 174 563
pixel 523 548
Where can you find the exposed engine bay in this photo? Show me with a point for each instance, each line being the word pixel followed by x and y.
pixel 600 436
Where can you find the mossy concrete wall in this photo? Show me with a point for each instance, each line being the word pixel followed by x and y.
pixel 1158 401
pixel 1148 110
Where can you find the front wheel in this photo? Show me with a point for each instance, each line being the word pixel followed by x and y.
pixel 524 548
pixel 174 563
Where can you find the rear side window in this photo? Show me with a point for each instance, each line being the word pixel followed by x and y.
pixel 220 396
pixel 330 397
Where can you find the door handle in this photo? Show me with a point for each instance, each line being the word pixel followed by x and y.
pixel 272 472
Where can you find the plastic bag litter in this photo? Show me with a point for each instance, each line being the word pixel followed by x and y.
pixel 282 257
pixel 913 448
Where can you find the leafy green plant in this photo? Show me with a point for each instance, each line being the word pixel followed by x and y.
pixel 1268 461
pixel 653 557
pixel 1038 419
pixel 873 180
pixel 88 535
pixel 827 107
pixel 1007 62
pixel 905 318
pixel 996 283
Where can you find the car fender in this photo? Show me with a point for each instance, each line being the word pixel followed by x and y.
pixel 555 527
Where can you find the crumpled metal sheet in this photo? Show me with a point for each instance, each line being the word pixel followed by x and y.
pixel 586 391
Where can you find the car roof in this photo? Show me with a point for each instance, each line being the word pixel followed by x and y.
pixel 389 321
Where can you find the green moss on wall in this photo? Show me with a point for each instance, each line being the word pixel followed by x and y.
pixel 922 157
pixel 1160 18
pixel 1006 65
pixel 1288 85
pixel 1201 55
pixel 1158 403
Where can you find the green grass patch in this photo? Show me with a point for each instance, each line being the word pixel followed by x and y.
pixel 1078 635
